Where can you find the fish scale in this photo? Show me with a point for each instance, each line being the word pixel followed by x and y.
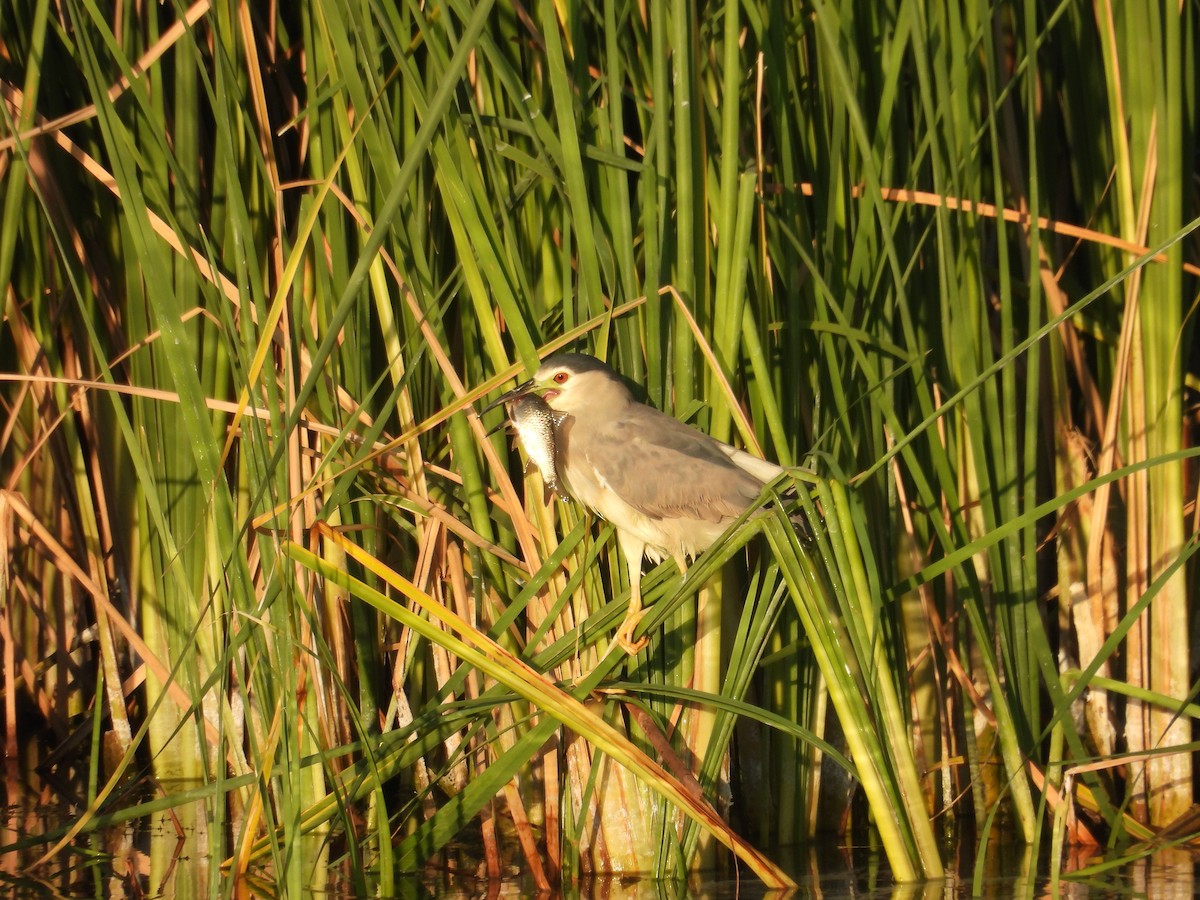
pixel 535 423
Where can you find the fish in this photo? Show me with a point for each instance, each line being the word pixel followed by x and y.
pixel 536 424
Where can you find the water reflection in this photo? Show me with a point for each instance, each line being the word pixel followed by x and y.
pixel 832 873
pixel 167 857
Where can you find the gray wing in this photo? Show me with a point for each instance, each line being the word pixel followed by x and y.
pixel 664 468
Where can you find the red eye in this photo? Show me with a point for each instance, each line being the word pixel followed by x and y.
pixel 561 377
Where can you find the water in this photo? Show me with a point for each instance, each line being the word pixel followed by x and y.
pixel 166 857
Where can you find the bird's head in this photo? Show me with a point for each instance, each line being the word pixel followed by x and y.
pixel 574 383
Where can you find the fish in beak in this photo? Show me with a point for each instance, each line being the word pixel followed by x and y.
pixel 536 425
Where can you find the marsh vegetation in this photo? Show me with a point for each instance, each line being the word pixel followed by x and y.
pixel 262 566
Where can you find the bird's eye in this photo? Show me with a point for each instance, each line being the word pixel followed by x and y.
pixel 561 377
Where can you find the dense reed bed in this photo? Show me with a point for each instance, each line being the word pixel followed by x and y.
pixel 261 560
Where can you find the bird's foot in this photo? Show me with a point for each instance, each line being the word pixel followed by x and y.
pixel 624 635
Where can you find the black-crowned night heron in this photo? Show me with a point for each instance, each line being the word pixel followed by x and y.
pixel 668 489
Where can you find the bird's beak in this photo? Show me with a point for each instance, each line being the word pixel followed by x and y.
pixel 491 431
pixel 504 398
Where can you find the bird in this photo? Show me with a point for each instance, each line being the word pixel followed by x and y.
pixel 669 489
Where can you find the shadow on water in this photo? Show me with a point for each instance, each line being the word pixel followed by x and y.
pixel 169 856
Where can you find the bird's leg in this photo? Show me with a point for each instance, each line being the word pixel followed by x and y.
pixel 634 551
pixel 681 561
pixel 624 635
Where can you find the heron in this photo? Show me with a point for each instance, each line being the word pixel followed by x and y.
pixel 669 489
